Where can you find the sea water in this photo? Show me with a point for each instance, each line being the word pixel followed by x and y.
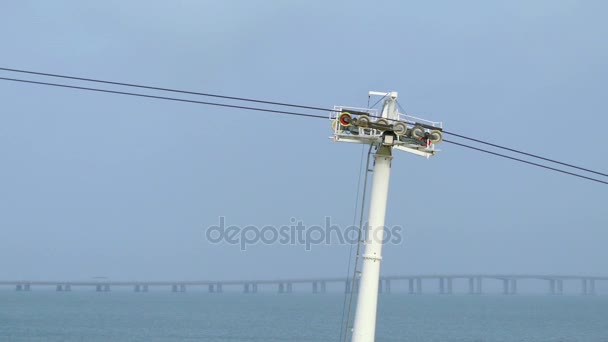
pixel 197 316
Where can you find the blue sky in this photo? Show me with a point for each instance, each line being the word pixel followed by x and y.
pixel 95 184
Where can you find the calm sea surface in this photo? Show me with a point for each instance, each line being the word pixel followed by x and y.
pixel 160 316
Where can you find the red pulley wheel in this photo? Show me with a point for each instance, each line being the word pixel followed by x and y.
pixel 345 119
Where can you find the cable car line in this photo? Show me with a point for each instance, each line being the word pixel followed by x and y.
pixel 257 109
pixel 264 102
pixel 524 161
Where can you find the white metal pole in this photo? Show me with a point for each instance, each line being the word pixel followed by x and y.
pixel 367 301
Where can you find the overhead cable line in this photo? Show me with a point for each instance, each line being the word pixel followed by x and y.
pixel 515 150
pixel 526 153
pixel 316 117
pixel 165 98
pixel 166 89
pixel 524 161
pixel 281 104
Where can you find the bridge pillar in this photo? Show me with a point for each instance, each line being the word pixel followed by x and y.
pixel 23 287
pixel 211 288
pixel 591 287
pixel 552 286
pixel 281 288
pixel 174 288
pixel 246 288
pixel 479 289
pixel 418 285
pixel 98 288
pixel 410 287
pixel 106 288
pixel 137 288
pixel 505 286
pixel 59 288
pixel 218 288
pixel 144 288
pixel 67 287
pixel 513 287
pixel 584 287
pixel 289 288
pixel 441 286
pixel 380 289
pixel 315 287
pixel 471 286
pixel 254 287
pixel 449 287
pixel 387 285
pixel 323 287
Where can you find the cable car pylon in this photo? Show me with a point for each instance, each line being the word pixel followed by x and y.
pixel 388 131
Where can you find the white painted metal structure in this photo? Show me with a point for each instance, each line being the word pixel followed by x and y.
pixel 368 135
pixel 385 131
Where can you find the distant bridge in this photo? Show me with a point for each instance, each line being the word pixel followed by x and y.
pixel 319 285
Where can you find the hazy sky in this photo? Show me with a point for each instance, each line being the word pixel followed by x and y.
pixel 103 185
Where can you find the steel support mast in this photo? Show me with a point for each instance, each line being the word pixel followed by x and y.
pixel 364 328
pixel 387 131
